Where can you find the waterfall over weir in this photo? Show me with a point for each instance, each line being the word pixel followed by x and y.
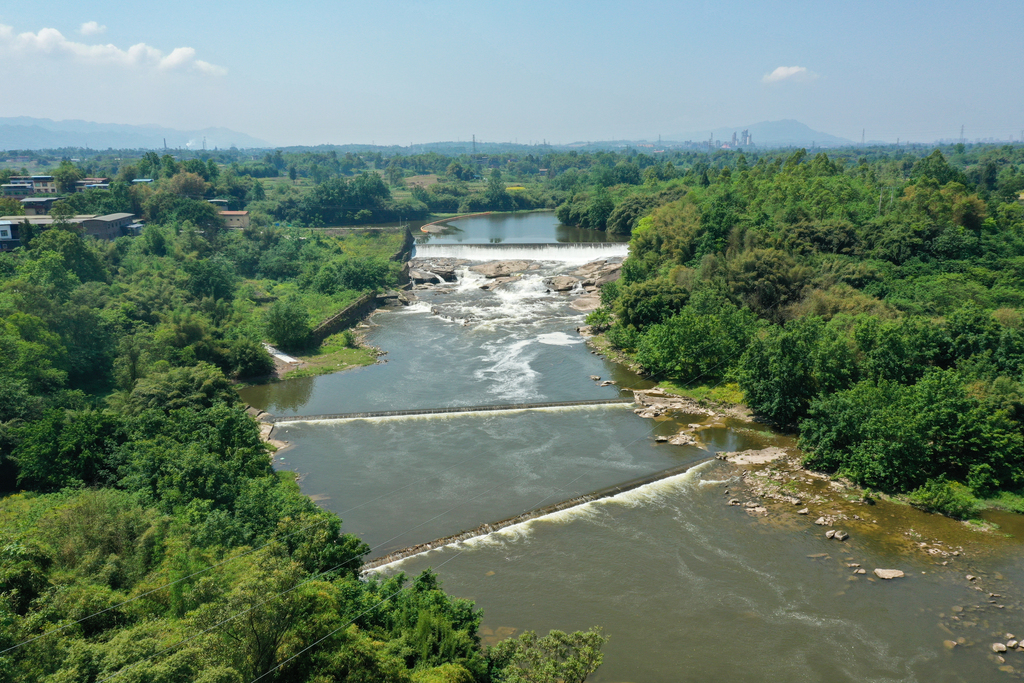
pixel 572 252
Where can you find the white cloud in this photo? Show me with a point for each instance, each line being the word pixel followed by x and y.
pixel 50 41
pixel 789 73
pixel 92 28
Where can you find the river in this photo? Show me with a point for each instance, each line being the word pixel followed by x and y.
pixel 687 587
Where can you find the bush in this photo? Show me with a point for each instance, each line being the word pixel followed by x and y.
pixel 949 498
pixel 599 319
pixel 622 337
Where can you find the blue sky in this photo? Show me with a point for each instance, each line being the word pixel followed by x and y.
pixel 418 70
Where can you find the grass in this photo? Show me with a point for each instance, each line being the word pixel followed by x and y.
pixel 332 356
pixel 1004 500
pixel 721 393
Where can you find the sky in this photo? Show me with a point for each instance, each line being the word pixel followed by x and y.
pixel 415 71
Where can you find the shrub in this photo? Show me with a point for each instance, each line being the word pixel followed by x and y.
pixel 599 319
pixel 949 498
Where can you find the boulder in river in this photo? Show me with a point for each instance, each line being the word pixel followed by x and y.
pixel 500 268
pixel 562 283
pixel 889 574
pixel 998 647
pixel 587 303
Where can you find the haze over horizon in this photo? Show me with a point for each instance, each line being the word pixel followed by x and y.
pixel 417 71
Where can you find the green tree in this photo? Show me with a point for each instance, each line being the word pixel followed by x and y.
pixel 558 657
pixel 287 323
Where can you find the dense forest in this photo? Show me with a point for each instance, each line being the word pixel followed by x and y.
pixel 873 305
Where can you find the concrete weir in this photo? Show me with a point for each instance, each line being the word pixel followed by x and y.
pixel 439 411
pixel 485 529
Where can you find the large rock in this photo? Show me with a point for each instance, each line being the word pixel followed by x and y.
pixel 889 573
pixel 562 283
pixel 424 277
pixel 500 268
pixel 587 303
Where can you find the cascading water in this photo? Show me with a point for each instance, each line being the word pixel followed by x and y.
pixel 685 584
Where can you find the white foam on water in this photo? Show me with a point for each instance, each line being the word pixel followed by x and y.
pixel 558 339
pixel 508 370
pixel 653 493
pixel 414 307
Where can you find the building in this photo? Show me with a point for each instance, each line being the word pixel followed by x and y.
pixel 17 190
pixel 235 219
pixel 44 222
pixel 107 227
pixel 44 184
pixel 8 235
pixel 40 184
pixel 38 206
pixel 92 184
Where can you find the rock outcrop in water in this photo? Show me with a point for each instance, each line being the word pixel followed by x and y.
pixel 500 268
pixel 433 270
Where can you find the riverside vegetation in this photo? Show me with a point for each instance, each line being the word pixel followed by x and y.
pixel 874 306
pixel 150 538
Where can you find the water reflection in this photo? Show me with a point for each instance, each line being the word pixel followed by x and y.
pixel 287 396
pixel 523 228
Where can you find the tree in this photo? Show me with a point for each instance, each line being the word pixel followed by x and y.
pixel 293 173
pixel 558 657
pixel 199 386
pixel 287 323
pixel 190 185
pixel 66 176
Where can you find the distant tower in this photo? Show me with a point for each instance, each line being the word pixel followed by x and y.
pixel 734 138
pixel 961 134
pixel 204 143
pixel 474 143
pixel 862 135
pixel 165 144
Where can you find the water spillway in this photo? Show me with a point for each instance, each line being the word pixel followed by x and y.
pixel 575 253
pixel 502 407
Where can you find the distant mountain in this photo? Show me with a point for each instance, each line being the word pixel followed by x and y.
pixel 785 133
pixel 24 132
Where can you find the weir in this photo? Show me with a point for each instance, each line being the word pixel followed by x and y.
pixel 485 529
pixel 438 411
pixel 581 252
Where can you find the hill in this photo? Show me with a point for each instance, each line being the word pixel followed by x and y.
pixel 24 132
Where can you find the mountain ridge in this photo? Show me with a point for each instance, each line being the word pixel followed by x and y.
pixel 29 133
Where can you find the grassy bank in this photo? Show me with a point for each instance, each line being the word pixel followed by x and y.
pixel 337 353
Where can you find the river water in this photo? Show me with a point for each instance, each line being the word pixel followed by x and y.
pixel 688 588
